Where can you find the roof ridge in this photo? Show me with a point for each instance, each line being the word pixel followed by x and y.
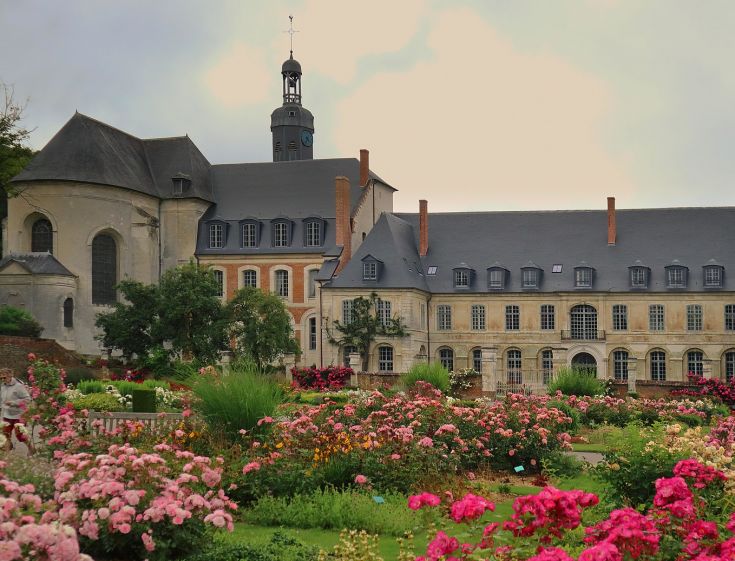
pixel 559 211
pixel 109 126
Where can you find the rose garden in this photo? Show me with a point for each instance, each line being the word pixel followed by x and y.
pixel 251 469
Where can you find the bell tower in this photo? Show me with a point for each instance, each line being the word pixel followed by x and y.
pixel 292 125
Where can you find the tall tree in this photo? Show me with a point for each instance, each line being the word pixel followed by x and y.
pixel 14 155
pixel 260 326
pixel 364 325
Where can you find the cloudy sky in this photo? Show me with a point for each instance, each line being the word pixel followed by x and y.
pixel 473 105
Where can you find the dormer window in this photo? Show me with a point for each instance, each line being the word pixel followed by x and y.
pixel 313 232
pixel 583 276
pixel 497 277
pixel 281 233
pixel 249 233
pixel 463 277
pixel 181 184
pixel 217 235
pixel 531 276
pixel 714 275
pixel 639 275
pixel 676 276
pixel 370 268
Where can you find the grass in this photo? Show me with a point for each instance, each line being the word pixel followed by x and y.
pixel 589 447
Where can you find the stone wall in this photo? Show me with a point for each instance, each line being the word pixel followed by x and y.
pixel 653 390
pixel 14 352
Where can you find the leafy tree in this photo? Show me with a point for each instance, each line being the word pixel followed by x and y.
pixel 14 156
pixel 130 327
pixel 365 326
pixel 260 326
pixel 18 322
pixel 190 312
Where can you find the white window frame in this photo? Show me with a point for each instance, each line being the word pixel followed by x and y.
pixel 712 276
pixel 620 317
pixel 443 317
pixel 729 317
pixel 461 278
pixel 548 317
pixel 216 236
pixel 384 311
pixel 676 277
pixel 386 362
pixel 313 233
pixel 477 313
pixel 638 277
pixel 241 276
pixel 348 311
pixel 281 234
pixel 583 277
pixel 369 270
pixel 446 358
pixel 694 317
pixel 656 317
pixel 496 279
pixel 279 285
pixel 620 358
pixel 220 275
pixel 529 278
pixel 512 317
pixel 657 365
pixel 248 238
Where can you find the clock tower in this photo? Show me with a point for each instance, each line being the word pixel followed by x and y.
pixel 292 125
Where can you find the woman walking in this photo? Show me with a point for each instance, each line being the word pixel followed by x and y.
pixel 14 399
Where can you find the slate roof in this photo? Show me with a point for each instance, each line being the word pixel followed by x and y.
pixel 89 151
pixel 36 263
pixel 655 237
pixel 270 190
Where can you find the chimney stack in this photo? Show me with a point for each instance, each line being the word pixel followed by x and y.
pixel 364 167
pixel 423 228
pixel 612 231
pixel 343 232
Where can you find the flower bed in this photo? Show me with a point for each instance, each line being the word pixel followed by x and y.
pixel 321 379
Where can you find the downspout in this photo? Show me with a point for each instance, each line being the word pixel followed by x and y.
pixel 321 328
pixel 160 244
pixel 428 331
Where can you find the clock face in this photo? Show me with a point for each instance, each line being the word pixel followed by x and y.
pixel 306 138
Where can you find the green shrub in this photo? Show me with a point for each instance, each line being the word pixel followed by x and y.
pixel 236 401
pixel 127 388
pixel 144 400
pixel 575 381
pixel 76 374
pixel 98 402
pixel 18 322
pixel 569 411
pixel 433 373
pixel 333 509
pixel 280 548
pixel 91 386
pixel 559 464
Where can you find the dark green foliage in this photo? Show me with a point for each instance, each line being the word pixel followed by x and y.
pixel 576 381
pixel 260 325
pixel 560 464
pixel 280 548
pixel 365 327
pixel 18 322
pixel 144 400
pixel 433 373
pixel 76 374
pixel 98 402
pixel 91 386
pixel 569 411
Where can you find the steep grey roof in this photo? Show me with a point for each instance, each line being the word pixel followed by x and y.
pixel 89 151
pixel 392 242
pixel 269 190
pixel 36 263
pixel 654 237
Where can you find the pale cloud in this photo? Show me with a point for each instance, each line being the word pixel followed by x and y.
pixel 484 126
pixel 240 76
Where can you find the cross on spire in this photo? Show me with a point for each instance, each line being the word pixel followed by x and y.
pixel 291 32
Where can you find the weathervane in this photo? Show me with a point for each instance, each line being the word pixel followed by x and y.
pixel 291 32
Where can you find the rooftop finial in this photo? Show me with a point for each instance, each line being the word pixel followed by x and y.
pixel 291 32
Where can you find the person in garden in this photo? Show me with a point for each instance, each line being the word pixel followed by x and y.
pixel 14 399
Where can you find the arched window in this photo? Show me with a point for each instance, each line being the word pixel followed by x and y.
pixel 42 236
pixel 514 367
pixel 446 358
pixel 104 269
pixel 729 365
pixel 658 366
pixel 281 277
pixel 620 365
pixel 385 359
pixel 547 365
pixel 583 322
pixel 477 360
pixel 695 363
pixel 69 312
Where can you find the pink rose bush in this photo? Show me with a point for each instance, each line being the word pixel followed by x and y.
pixel 151 505
pixel 683 525
pixel 321 379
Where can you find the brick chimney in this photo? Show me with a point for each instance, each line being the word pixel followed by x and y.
pixel 423 228
pixel 364 167
pixel 612 230
pixel 343 232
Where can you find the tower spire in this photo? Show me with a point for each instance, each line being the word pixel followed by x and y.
pixel 291 32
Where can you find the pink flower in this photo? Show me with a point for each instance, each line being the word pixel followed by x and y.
pixel 415 502
pixel 361 479
pixel 441 545
pixel 426 442
pixel 470 507
pixel 252 466
pixel 148 542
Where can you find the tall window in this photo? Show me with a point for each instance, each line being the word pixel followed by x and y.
pixel 385 359
pixel 620 317
pixel 219 276
pixel 729 365
pixel 658 366
pixel 443 317
pixel 730 317
pixel 477 360
pixel 620 365
pixel 547 317
pixel 514 367
pixel 311 288
pixel 446 358
pixel 694 317
pixel 282 283
pixel 583 319
pixel 422 315
pixel 216 236
pixel 384 312
pixel 347 350
pixel 478 317
pixel 104 269
pixel 656 317
pixel 313 233
pixel 250 278
pixel 348 308
pixel 69 312
pixel 42 236
pixel 547 365
pixel 695 363
pixel 312 334
pixel 280 234
pixel 249 235
pixel 512 318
